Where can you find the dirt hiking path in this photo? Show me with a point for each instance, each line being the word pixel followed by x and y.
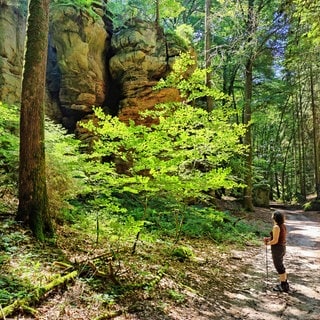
pixel 243 291
pixel 255 298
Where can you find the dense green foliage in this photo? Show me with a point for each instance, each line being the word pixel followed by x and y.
pixel 163 178
pixel 181 159
pixel 63 164
pixel 156 183
pixel 9 142
pixel 77 3
pixel 127 9
pixel 280 40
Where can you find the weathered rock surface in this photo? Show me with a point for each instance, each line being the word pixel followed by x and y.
pixel 12 39
pixel 261 195
pixel 88 65
pixel 142 56
pixel 77 62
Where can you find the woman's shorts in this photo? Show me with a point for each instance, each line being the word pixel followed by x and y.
pixel 278 252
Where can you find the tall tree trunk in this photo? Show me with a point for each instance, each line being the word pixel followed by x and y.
pixel 247 199
pixel 33 199
pixel 301 146
pixel 247 196
pixel 207 52
pixel 315 136
pixel 157 12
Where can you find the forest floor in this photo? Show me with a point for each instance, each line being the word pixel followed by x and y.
pixel 217 283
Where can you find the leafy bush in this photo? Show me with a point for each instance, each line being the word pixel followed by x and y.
pixel 65 177
pixel 9 146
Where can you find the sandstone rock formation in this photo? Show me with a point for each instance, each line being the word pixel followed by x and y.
pixel 77 62
pixel 141 56
pixel 12 39
pixel 88 65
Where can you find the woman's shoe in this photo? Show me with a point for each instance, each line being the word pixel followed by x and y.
pixel 278 288
pixel 285 286
pixel 282 287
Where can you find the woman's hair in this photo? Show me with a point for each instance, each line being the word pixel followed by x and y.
pixel 278 217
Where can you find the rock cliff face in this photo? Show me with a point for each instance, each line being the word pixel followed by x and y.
pixel 12 39
pixel 76 72
pixel 88 65
pixel 141 56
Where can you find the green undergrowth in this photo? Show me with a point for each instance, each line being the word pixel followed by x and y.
pixel 11 288
pixel 162 220
pixel 159 257
pixel 122 241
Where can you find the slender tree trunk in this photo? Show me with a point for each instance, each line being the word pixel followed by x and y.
pixel 207 52
pixel 285 181
pixel 315 136
pixel 33 199
pixel 247 200
pixel 301 147
pixel 157 12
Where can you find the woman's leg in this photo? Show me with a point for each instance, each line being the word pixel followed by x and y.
pixel 278 253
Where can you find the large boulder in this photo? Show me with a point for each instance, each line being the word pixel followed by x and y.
pixel 12 40
pixel 142 55
pixel 77 62
pixel 261 195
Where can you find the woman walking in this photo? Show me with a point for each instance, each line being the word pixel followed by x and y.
pixel 278 241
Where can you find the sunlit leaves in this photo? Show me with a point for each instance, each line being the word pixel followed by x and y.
pixel 84 5
pixel 183 155
pixel 185 32
pixel 308 13
pixel 189 80
pixel 9 142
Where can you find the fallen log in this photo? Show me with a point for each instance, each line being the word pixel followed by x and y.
pixel 109 315
pixel 35 296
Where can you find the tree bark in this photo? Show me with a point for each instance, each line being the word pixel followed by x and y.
pixel 33 199
pixel 247 199
pixel 247 196
pixel 301 145
pixel 315 135
pixel 157 12
pixel 207 52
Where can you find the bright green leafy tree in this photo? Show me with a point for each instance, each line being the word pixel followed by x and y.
pixel 183 157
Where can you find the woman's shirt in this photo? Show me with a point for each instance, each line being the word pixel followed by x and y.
pixel 282 240
pixel 283 235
